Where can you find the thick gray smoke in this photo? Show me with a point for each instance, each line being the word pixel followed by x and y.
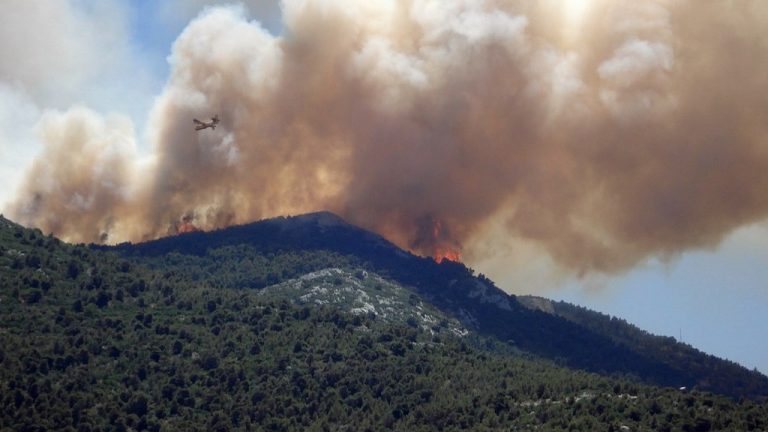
pixel 604 131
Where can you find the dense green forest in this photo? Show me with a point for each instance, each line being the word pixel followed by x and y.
pixel 90 340
pixel 277 250
pixel 666 350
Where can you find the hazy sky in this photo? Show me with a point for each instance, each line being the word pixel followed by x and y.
pixel 609 153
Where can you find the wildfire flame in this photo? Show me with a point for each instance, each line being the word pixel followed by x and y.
pixel 446 254
pixel 443 247
pixel 186 226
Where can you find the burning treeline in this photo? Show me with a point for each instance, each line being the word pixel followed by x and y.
pixel 605 133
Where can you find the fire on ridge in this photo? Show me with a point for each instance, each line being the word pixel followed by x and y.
pixel 640 133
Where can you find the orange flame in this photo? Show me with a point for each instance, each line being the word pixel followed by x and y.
pixel 443 248
pixel 441 254
pixel 186 225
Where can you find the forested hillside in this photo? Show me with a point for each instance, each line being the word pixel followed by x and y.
pixel 91 341
pixel 276 250
pixel 664 349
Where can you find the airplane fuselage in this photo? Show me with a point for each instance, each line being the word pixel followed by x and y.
pixel 200 125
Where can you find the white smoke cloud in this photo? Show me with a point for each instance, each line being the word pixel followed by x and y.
pixel 634 79
pixel 57 54
pixel 103 166
pixel 603 135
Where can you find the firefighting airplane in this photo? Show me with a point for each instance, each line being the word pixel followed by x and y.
pixel 199 125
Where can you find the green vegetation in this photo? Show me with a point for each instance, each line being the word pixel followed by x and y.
pixel 92 341
pixel 664 349
pixel 276 251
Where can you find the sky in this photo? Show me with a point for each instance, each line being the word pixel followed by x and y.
pixel 609 154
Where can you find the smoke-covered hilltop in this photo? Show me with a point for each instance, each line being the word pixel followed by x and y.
pixel 604 133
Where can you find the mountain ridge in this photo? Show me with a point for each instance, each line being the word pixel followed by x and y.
pixel 91 340
pixel 473 299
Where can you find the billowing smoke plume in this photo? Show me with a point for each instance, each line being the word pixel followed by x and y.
pixel 604 131
pixel 81 181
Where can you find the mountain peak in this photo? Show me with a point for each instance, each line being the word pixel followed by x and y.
pixel 320 219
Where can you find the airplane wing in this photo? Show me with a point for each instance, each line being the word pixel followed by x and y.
pixel 198 122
